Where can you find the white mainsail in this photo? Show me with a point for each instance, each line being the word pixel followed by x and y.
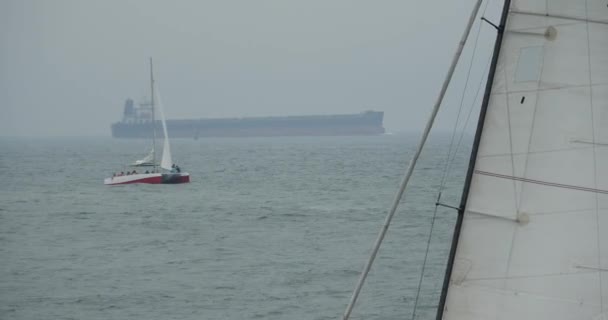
pixel 166 162
pixel 533 242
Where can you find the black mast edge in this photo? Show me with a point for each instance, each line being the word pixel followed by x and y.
pixel 472 160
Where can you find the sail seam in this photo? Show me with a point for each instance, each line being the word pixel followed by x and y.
pixel 592 268
pixel 489 215
pixel 591 143
pixel 526 31
pixel 530 294
pixel 530 13
pixel 469 280
pixel 594 146
pixel 519 197
pixel 540 182
pixel 516 197
pixel 498 155
pixel 484 215
pixel 549 89
pixel 510 134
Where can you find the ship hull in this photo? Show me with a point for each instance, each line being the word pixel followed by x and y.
pixel 367 123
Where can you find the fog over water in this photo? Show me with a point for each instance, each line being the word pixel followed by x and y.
pixel 67 66
pixel 269 228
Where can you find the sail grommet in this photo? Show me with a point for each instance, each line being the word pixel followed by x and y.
pixel 550 33
pixel 523 218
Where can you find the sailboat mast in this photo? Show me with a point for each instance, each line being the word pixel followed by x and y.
pixel 413 161
pixel 471 169
pixel 153 117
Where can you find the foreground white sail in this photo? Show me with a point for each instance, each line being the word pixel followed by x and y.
pixel 533 243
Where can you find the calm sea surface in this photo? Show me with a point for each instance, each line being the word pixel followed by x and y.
pixel 269 228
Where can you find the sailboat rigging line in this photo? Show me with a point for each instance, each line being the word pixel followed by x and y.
pixel 413 161
pixel 464 90
pixel 446 173
pixel 426 255
pixel 469 178
pixel 467 120
pixel 456 123
pixel 451 159
pixel 490 23
pixel 438 204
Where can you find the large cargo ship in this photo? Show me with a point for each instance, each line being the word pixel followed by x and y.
pixel 138 122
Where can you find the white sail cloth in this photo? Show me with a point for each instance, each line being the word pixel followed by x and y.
pixel 534 239
pixel 166 162
pixel 147 160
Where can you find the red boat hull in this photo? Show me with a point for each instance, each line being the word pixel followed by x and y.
pixel 149 178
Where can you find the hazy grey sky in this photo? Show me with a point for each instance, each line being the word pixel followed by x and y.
pixel 66 66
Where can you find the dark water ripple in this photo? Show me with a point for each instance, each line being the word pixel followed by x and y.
pixel 272 228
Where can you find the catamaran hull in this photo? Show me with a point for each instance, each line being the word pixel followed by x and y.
pixel 149 178
pixel 172 178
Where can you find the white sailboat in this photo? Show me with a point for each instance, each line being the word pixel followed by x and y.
pixel 531 239
pixel 168 173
